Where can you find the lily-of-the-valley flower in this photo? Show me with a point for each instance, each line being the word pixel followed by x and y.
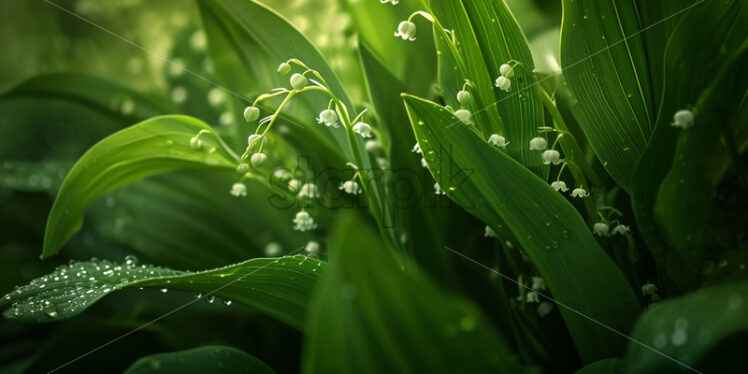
pixel 294 185
pixel 363 129
pixel 251 113
pixel 551 156
pixel 273 249
pixel 282 174
pixel 649 289
pixel 258 159
pixel 312 248
pixel 350 187
pixel 437 189
pixel 601 229
pixel 252 139
pixel 298 81
pixel 304 221
pixel 393 2
pixel 373 146
pixel 464 116
pixel 559 186
pixel 579 192
pixel 242 168
pixel 620 230
pixel 328 117
pixel 489 233
pixel 406 30
pixel 538 144
pixel 544 308
pixel 503 83
pixel 284 68
pixel 423 163
pixel 416 148
pixel 505 70
pixel 532 297
pixel 463 97
pixel 538 284
pixel 683 118
pixel 309 190
pixel 497 140
pixel 196 143
pixel 238 189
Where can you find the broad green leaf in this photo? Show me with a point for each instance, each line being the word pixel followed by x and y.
pixel 605 66
pixel 206 359
pixel 370 315
pixel 278 287
pixel 409 184
pixel 507 196
pixel 157 145
pixel 726 22
pixel 706 330
pixel 489 36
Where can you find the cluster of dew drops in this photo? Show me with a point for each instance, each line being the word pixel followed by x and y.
pixel 71 288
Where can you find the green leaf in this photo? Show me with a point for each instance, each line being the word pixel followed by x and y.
pixel 372 316
pixel 705 330
pixel 488 36
pixel 154 146
pixel 278 287
pixel 490 185
pixel 206 359
pixel 605 66
pixel 712 99
pixel 606 366
pixel 408 184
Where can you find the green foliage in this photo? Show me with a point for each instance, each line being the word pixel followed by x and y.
pixel 481 210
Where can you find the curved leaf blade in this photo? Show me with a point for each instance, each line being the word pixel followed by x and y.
pixel 371 316
pixel 206 359
pixel 691 330
pixel 508 197
pixel 279 287
pixel 605 65
pixel 153 146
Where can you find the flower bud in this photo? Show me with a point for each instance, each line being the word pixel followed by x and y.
pixel 238 189
pixel 251 113
pixel 538 144
pixel 196 143
pixel 298 81
pixel 258 159
pixel 505 70
pixel 503 83
pixel 406 30
pixel 463 97
pixel 284 68
pixel 253 139
pixel 621 229
pixel 363 129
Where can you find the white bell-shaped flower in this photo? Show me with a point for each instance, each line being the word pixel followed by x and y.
pixel 423 163
pixel 304 221
pixel 559 186
pixel 503 83
pixel 416 148
pixel 620 230
pixel 298 81
pixel 363 129
pixel 238 189
pixel 328 117
pixel 579 192
pixel 437 189
pixel 649 289
pixel 309 190
pixel 538 284
pixel 551 156
pixel 464 116
pixel 538 144
pixel 406 30
pixel 532 297
pixel 463 97
pixel 350 187
pixel 258 159
pixel 683 118
pixel 294 185
pixel 497 140
pixel 312 248
pixel 601 229
pixel 544 309
pixel 242 168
